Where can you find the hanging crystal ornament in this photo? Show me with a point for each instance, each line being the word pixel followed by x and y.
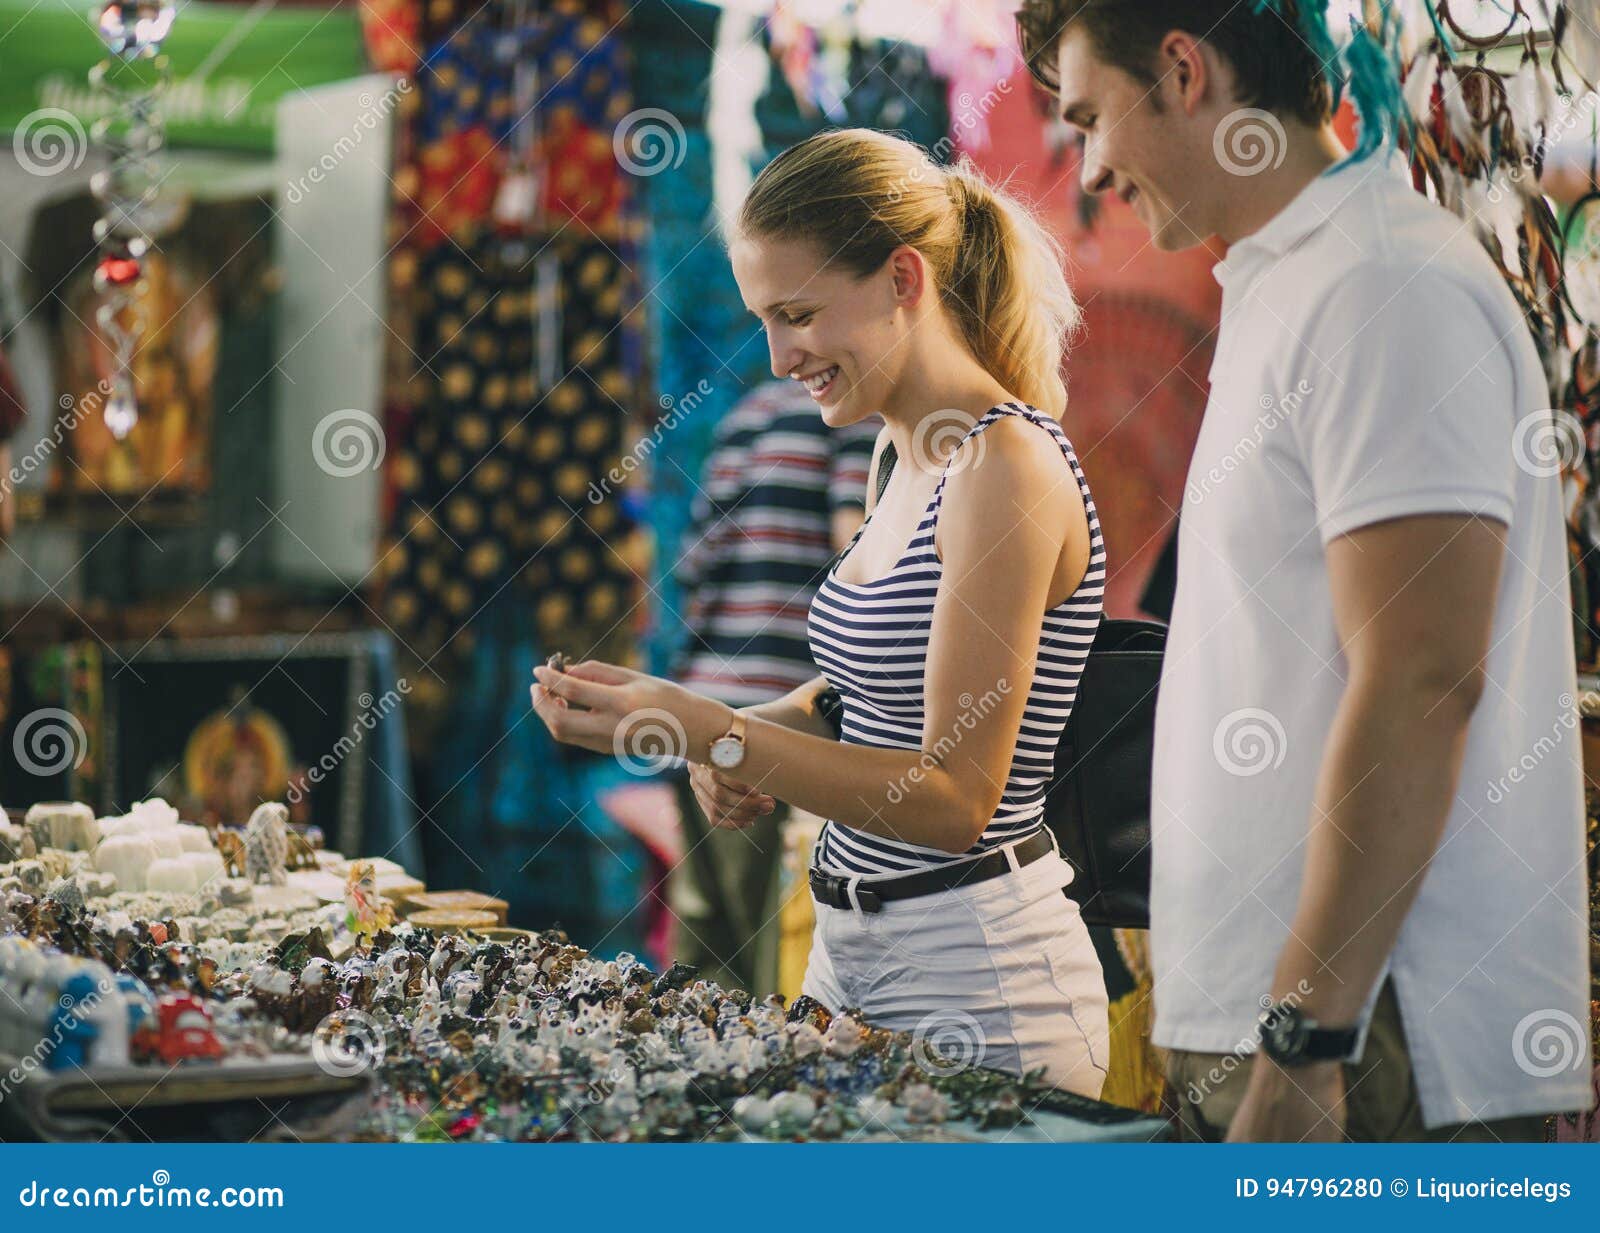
pixel 132 77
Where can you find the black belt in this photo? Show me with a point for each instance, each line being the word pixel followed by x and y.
pixel 856 893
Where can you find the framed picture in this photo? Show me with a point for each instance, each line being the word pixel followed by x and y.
pixel 218 725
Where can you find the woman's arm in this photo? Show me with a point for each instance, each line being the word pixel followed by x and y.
pixel 1007 506
pixel 796 710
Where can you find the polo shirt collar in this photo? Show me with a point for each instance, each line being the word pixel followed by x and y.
pixel 1311 208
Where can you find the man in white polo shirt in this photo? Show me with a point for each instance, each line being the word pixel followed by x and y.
pixel 1369 898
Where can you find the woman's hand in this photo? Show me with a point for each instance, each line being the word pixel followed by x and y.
pixel 638 717
pixel 726 802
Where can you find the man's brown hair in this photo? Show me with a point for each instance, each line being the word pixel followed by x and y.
pixel 1276 69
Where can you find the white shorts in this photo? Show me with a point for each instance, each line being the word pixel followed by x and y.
pixel 1000 973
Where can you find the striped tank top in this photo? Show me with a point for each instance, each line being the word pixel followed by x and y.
pixel 870 641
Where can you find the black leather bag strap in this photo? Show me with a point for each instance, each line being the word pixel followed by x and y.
pixel 886 461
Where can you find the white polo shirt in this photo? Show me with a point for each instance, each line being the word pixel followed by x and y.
pixel 1371 364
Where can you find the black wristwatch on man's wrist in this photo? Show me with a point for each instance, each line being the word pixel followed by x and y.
pixel 1289 1038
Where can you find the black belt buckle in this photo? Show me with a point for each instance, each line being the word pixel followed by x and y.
pixel 833 890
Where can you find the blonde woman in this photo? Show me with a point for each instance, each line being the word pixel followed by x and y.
pixel 954 626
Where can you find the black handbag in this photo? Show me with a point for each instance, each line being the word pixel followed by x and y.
pixel 1098 802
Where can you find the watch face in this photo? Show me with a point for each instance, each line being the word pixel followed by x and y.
pixel 727 752
pixel 1283 1031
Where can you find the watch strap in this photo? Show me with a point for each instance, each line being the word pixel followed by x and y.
pixel 1328 1044
pixel 1313 1042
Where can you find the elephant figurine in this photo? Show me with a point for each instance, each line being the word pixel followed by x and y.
pixel 266 845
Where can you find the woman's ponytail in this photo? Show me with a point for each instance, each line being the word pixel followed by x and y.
pixel 1007 290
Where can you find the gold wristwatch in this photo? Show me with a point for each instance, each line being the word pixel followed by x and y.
pixel 727 751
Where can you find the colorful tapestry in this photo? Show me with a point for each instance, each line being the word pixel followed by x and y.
pixel 525 412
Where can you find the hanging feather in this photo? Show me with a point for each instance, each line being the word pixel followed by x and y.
pixel 1458 116
pixel 1438 30
pixel 1375 91
pixel 1479 211
pixel 1420 82
pixel 1545 94
pixel 1546 91
pixel 1522 97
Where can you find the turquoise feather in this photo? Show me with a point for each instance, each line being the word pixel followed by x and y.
pixel 1375 91
pixel 1368 66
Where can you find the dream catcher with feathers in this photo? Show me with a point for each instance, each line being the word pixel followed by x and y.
pixel 1478 137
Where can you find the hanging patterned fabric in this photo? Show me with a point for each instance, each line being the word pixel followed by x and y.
pixel 891 86
pixel 513 384
pixel 526 411
pixel 522 345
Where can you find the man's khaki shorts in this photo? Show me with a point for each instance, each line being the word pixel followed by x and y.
pixel 1381 1104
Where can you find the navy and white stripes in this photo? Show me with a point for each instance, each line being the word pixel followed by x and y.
pixel 871 642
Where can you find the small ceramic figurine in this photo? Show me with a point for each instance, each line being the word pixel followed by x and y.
pixel 230 845
pixel 180 1032
pixel 68 898
pixel 301 853
pixel 70 1027
pixel 67 825
pixel 266 845
pixel 364 914
pixel 11 843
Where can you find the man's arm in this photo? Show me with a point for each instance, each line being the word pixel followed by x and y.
pixel 1413 602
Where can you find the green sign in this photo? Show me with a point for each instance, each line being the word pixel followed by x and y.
pixel 230 66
